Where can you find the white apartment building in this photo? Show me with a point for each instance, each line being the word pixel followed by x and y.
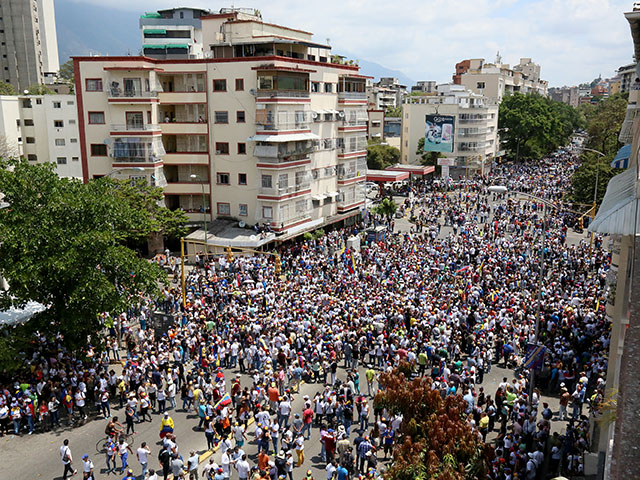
pixel 266 130
pixel 43 128
pixel 173 33
pixel 495 80
pixel 475 129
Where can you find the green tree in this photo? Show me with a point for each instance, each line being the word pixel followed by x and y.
pixel 7 89
pixel 583 181
pixel 533 126
pixel 393 112
pixel 387 208
pixel 66 71
pixel 64 246
pixel 605 123
pixel 39 90
pixel 381 156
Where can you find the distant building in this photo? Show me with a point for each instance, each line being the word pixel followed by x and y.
pixel 387 93
pixel 475 133
pixel 173 33
pixel 43 129
pixel 568 95
pixel 495 80
pixel 375 129
pixel 28 43
pixel 627 74
pixel 428 86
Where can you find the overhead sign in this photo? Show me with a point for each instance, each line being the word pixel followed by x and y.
pixel 446 162
pixel 439 133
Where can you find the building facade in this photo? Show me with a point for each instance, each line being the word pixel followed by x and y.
pixel 43 129
pixel 495 80
pixel 28 43
pixel 173 33
pixel 267 130
pixel 475 128
pixel 425 86
pixel 568 95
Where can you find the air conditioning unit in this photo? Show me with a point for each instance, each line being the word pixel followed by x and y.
pixel 341 114
pixel 253 92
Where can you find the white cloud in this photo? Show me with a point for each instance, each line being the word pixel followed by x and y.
pixel 573 40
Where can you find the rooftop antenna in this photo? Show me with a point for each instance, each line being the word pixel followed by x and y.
pixel 498 58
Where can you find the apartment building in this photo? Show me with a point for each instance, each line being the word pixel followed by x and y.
pixel 568 95
pixel 173 33
pixel 386 93
pixel 425 86
pixel 28 43
pixel 475 132
pixel 628 76
pixel 42 128
pixel 267 130
pixel 495 80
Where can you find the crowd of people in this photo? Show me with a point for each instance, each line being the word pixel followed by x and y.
pixel 460 293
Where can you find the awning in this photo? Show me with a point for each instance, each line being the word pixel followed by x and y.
pixel 177 45
pixel 155 31
pixel 317 198
pixel 621 159
pixel 154 46
pixel 292 137
pixel 383 176
pixel 333 194
pixel 617 214
pixel 414 169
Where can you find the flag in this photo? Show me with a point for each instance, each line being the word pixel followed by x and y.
pixel 343 251
pixel 351 264
pixel 480 267
pixel 226 400
pixel 415 248
pixel 493 296
pixel 463 269
pixel 535 356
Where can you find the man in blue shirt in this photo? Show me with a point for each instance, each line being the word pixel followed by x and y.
pixel 342 473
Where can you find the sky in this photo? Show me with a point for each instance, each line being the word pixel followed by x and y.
pixel 574 41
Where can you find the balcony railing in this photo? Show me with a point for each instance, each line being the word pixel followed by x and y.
pixel 463 121
pixel 471 148
pixel 272 151
pixel 288 125
pixel 134 127
pixel 626 132
pixel 283 93
pixel 351 148
pixel 476 133
pixel 285 190
pixel 119 93
pixel 352 95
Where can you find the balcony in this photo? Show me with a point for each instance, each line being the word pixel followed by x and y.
pixel 267 152
pixel 626 131
pixel 168 98
pixel 129 150
pixel 472 132
pixel 472 147
pixel 472 120
pixel 184 128
pixel 193 188
pixel 116 94
pixel 279 191
pixel 135 127
pixel 183 158
pixel 283 96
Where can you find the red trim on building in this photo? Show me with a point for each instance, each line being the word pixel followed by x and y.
pixel 283 100
pixel 360 153
pixel 349 207
pixel 352 180
pixel 212 16
pixel 141 133
pixel 283 197
pixel 155 69
pixel 81 124
pixel 279 229
pixel 133 100
pixel 159 163
pixel 281 132
pixel 283 68
pixel 359 128
pixel 352 102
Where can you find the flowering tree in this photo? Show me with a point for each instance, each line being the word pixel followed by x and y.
pixel 435 440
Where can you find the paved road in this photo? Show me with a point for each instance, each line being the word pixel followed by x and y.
pixel 37 456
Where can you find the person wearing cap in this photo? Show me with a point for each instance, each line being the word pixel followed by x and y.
pixel 166 425
pixel 129 475
pixel 363 449
pixel 87 467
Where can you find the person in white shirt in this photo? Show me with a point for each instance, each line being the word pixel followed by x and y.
pixel 67 459
pixel 87 467
pixel 243 468
pixel 226 464
pixel 143 453
pixel 192 465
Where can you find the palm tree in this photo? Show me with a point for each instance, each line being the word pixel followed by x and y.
pixel 387 208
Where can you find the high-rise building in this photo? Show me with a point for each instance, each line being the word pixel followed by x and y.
pixel 266 128
pixel 475 129
pixel 173 33
pixel 28 42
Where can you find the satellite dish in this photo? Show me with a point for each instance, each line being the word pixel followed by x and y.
pixel 241 224
pixel 341 114
pixel 253 92
pixel 314 115
pixel 107 141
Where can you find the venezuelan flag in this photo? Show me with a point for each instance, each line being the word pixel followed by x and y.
pixel 351 264
pixel 493 296
pixel 226 400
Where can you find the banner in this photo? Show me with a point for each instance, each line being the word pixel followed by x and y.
pixel 439 133
pixel 535 356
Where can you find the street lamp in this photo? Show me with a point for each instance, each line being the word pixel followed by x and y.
pixel 204 216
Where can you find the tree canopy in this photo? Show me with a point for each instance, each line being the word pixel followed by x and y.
pixel 381 156
pixel 387 208
pixel 64 245
pixel 7 89
pixel 39 90
pixel 435 440
pixel 533 126
pixel 428 158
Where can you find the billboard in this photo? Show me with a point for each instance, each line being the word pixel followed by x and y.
pixel 439 133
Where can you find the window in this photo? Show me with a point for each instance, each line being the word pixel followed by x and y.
pixel 242 179
pixel 242 148
pixel 73 140
pixel 96 118
pixel 222 178
pixel 134 120
pixel 222 148
pixel 58 123
pixel 70 102
pixel 220 85
pixel 224 208
pixel 328 87
pixel 57 105
pixel 93 84
pixel 31 140
pixel 283 181
pixel 267 181
pixel 32 157
pixel 98 150
pixel 244 210
pixel 315 87
pixel 240 116
pixel 75 159
pixel 61 160
pixel 480 85
pixel 239 84
pixel 60 142
pixel 267 212
pixel 28 122
pixel 26 103
pixel 221 117
pixel 38 101
pixel 18 122
pixel 72 122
